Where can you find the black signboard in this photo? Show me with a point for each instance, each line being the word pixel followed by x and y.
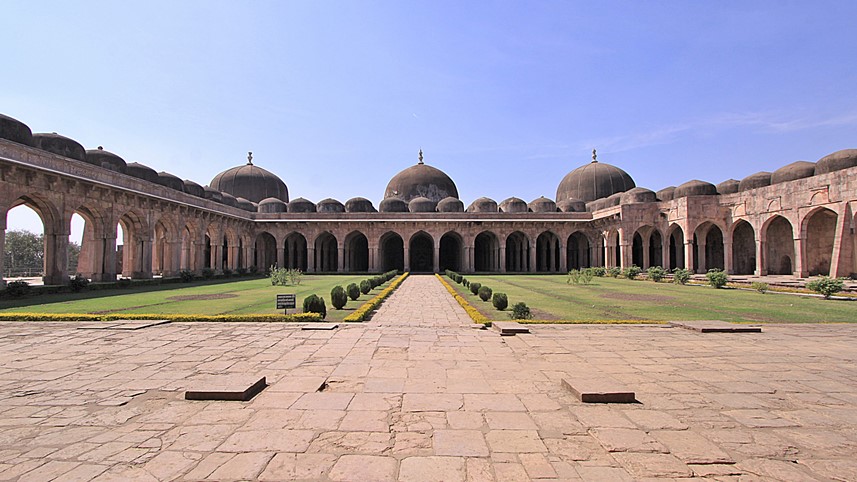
pixel 284 302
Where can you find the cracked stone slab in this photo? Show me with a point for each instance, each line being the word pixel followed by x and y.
pixel 227 388
pixel 599 390
pixel 716 326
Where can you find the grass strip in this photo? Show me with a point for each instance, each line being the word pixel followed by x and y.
pixel 360 314
pixel 260 318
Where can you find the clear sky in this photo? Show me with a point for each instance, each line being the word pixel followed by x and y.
pixel 506 97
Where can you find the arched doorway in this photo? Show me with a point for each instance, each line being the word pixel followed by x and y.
pixel 517 252
pixel 637 250
pixel 820 234
pixel 656 249
pixel 577 251
pixel 451 251
pixel 714 248
pixel 547 252
pixel 266 251
pixel 295 252
pixel 779 239
pixel 486 252
pixel 136 250
pixel 187 256
pixel 676 248
pixel 421 251
pixel 743 248
pixel 326 253
pixel 392 252
pixel 356 252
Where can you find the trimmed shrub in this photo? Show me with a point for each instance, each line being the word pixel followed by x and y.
pixel 123 283
pixel 520 311
pixel 599 271
pixel 826 285
pixel 586 275
pixel 353 291
pixel 78 283
pixel 632 271
pixel 484 293
pixel 759 286
pixel 500 301
pixel 655 273
pixel 716 278
pixel 207 273
pixel 474 287
pixel 338 297
pixel 573 277
pixel 186 276
pixel 17 289
pixel 614 272
pixel 314 304
pixel 365 286
pixel 227 273
pixel 681 276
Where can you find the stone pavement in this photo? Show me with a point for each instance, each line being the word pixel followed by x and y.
pixel 414 395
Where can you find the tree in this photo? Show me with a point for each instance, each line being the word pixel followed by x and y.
pixel 24 252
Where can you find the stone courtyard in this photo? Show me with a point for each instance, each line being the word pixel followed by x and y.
pixel 418 394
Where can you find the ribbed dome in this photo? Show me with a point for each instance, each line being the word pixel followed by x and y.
pixel 193 188
pixel 393 205
pixel 666 194
pixel 793 171
pixel 450 205
pixel 593 181
pixel 694 188
pixel 638 195
pixel 571 206
pixel 753 181
pixel 251 182
pixel 60 145
pixel 330 205
pixel 15 131
pixel 141 171
pixel 359 205
pixel 838 160
pixel 542 205
pixel 514 205
pixel 105 159
pixel 301 205
pixel 728 186
pixel 272 205
pixel 421 180
pixel 483 205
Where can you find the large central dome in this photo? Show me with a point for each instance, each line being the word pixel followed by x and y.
pixel 593 181
pixel 251 182
pixel 421 180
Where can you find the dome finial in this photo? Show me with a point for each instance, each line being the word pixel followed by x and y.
pixel 249 158
pixel 421 156
pixel 594 156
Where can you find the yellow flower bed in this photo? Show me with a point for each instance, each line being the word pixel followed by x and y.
pixel 593 322
pixel 361 313
pixel 472 312
pixel 297 317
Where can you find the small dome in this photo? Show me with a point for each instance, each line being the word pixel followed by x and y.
pixel 15 131
pixel 359 205
pixel 393 205
pixel 666 194
pixel 638 195
pixel 105 159
pixel 422 205
pixel 330 206
pixel 450 205
pixel 596 205
pixel 193 188
pixel 228 199
pixel 301 205
pixel 272 205
pixel 793 171
pixel 246 204
pixel 694 188
pixel 483 205
pixel 421 180
pixel 593 181
pixel 251 182
pixel 571 206
pixel 542 205
pixel 212 194
pixel 60 145
pixel 140 171
pixel 838 160
pixel 753 181
pixel 613 200
pixel 170 181
pixel 514 205
pixel 728 186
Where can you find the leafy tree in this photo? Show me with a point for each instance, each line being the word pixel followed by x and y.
pixel 24 251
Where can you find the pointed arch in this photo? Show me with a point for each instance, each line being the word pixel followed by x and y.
pixel 295 251
pixel 547 252
pixel 326 253
pixel 778 235
pixel 451 251
pixel 421 252
pixel 577 251
pixel 356 252
pixel 743 248
pixel 486 252
pixel 819 227
pixel 392 251
pixel 517 252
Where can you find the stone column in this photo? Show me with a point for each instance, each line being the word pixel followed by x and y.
pixel 701 258
pixel 503 258
pixel 281 257
pixel 340 258
pixel 727 257
pixel 56 258
pixel 407 255
pixel 799 267
pixel 2 248
pixel 373 258
pixel 532 260
pixel 761 254
pixel 563 257
pixel 310 259
pixel 436 259
pixel 665 252
pixel 688 254
pixel 646 261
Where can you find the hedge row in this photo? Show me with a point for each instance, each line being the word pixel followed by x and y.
pixel 474 314
pixel 360 314
pixel 273 318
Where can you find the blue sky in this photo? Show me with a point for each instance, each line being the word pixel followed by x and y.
pixel 506 97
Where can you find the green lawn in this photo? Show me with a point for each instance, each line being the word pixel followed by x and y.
pixel 551 298
pixel 235 297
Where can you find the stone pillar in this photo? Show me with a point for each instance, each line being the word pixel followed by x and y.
pixel 503 258
pixel 145 254
pixel 407 255
pixel 340 258
pixel 646 261
pixel 281 257
pixel 700 258
pixel 373 259
pixel 761 254
pixel 665 252
pixel 56 258
pixel 727 257
pixel 217 257
pixel 563 258
pixel 799 268
pixel 841 260
pixel 436 258
pixel 310 259
pixel 688 254
pixel 532 260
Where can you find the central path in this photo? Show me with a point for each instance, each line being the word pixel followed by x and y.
pixel 421 300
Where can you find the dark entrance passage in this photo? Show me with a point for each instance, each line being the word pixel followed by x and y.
pixel 486 255
pixel 356 252
pixel 421 253
pixel 392 252
pixel 450 252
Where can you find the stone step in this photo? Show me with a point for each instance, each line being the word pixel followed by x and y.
pixel 509 328
pixel 716 326
pixel 320 326
pixel 598 389
pixel 228 388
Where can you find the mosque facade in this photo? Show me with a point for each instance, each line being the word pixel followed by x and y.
pixel 797 221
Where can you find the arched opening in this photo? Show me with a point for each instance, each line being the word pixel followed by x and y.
pixel 676 248
pixel 547 252
pixel 656 249
pixel 85 246
pixel 637 250
pixel 160 253
pixel 421 251
pixel 392 252
pixel 240 262
pixel 577 251
pixel 187 256
pixel 779 239
pixel 614 250
pixel 517 252
pixel 451 248
pixel 266 251
pixel 295 252
pixel 820 234
pixel 356 252
pixel 133 247
pixel 743 248
pixel 224 257
pixel 326 253
pixel 714 248
pixel 207 251
pixel 25 244
pixel 486 252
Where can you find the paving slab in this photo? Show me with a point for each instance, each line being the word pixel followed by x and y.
pixel 602 389
pixel 716 326
pixel 227 388
pixel 320 326
pixel 509 328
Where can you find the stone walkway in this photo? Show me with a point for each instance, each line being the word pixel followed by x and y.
pixel 414 395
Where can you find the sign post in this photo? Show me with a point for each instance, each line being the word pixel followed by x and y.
pixel 286 301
